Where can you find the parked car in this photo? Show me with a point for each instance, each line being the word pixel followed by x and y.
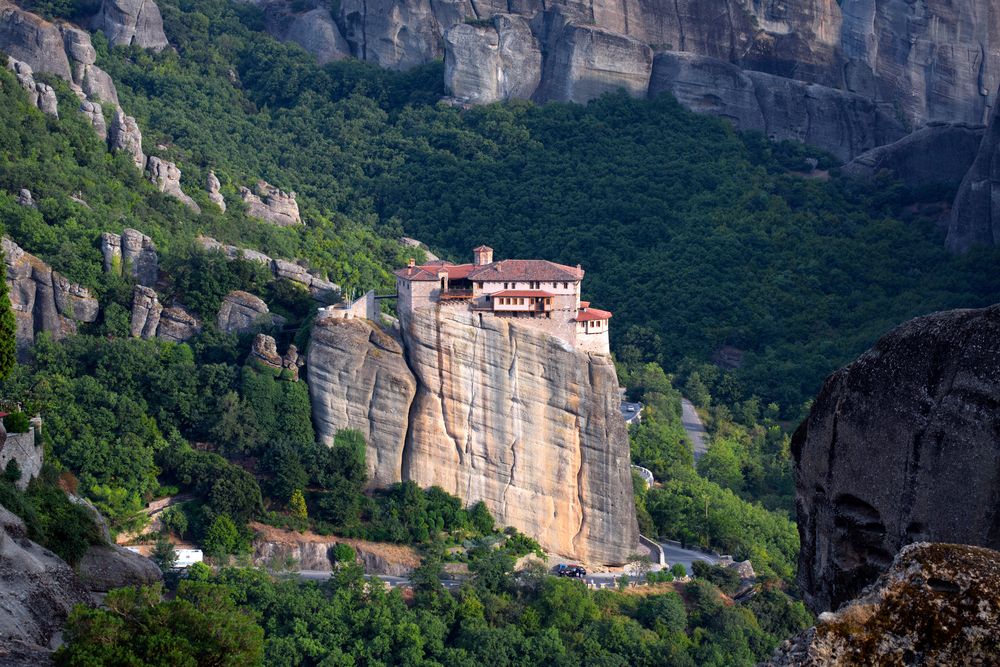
pixel 565 570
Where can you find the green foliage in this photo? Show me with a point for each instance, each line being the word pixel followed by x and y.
pixel 222 537
pixel 201 626
pixel 174 520
pixel 726 579
pixel 164 554
pixel 12 472
pixel 16 422
pixel 8 329
pixel 59 525
pixel 297 505
pixel 342 553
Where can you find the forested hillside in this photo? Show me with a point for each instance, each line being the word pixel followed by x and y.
pixel 695 237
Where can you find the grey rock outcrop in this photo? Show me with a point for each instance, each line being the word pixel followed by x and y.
pixel 938 154
pixel 897 448
pixel 24 198
pixel 146 311
pixel 586 61
pixel 24 448
pixel 125 136
pixel 177 325
pixel 43 300
pixel 321 289
pixel 312 552
pixel 500 413
pixel 33 40
pixel 40 94
pixel 167 178
pixel 94 82
pixel 975 214
pixel 272 205
pixel 212 185
pixel 844 124
pixel 484 64
pixel 242 312
pixel 132 22
pixel 358 379
pixel 314 30
pixel 37 592
pixel 107 566
pixel 133 252
pixel 939 604
pixel 265 351
pixel 95 114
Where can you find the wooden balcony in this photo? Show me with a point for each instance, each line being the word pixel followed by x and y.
pixel 455 294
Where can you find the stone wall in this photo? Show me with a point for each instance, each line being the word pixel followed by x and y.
pixel 22 448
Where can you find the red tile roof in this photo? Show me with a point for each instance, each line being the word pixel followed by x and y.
pixel 590 314
pixel 584 304
pixel 526 270
pixel 482 247
pixel 416 273
pixel 523 292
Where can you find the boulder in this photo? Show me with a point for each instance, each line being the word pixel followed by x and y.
pixel 167 177
pixel 125 136
pixel 95 114
pixel 74 301
pixel 212 185
pixel 37 592
pixel 24 198
pixel 40 94
pixel 844 124
pixel 107 566
pixel 938 604
pixel 586 61
pixel 501 61
pixel 131 22
pixel 313 30
pixel 938 154
pixel 265 351
pixel 900 446
pixel 975 214
pixel 272 205
pixel 177 325
pixel 146 311
pixel 242 312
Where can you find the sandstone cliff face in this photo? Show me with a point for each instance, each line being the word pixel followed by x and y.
pixel 939 604
pixel 272 205
pixel 845 124
pixel 502 61
pixel 132 22
pixel 33 40
pixel 358 379
pixel 275 548
pixel 975 214
pixel 40 94
pixel 242 312
pixel 500 413
pixel 939 154
pixel 900 446
pixel 132 251
pixel 42 299
pixel 125 136
pixel 166 176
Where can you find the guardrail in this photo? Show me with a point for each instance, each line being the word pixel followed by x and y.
pixel 655 548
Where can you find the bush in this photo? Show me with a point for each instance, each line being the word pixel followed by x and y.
pixel 17 422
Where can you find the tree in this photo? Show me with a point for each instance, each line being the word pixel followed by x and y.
pixel 202 626
pixel 174 520
pixel 12 473
pixel 297 505
pixel 8 329
pixel 678 570
pixel 640 565
pixel 222 537
pixel 164 554
pixel 481 518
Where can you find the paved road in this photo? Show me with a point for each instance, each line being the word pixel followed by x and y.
pixel 694 428
pixel 632 412
pixel 685 557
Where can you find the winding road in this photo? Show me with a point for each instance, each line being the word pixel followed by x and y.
pixel 694 428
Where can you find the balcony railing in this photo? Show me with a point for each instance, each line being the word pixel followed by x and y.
pixel 456 294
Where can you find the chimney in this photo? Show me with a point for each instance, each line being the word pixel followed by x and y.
pixel 482 255
pixel 412 263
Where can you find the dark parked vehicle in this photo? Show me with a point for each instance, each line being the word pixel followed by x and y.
pixel 564 570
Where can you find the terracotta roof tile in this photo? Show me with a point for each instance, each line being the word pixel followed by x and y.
pixel 590 314
pixel 526 270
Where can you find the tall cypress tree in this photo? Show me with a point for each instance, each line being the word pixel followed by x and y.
pixel 8 327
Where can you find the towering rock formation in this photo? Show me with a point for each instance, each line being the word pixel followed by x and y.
pixel 939 604
pixel 500 413
pixel 242 312
pixel 212 185
pixel 495 62
pixel 40 94
pixel 132 23
pixel 42 299
pixel 975 214
pixel 899 447
pixel 132 251
pixel 125 136
pixel 33 40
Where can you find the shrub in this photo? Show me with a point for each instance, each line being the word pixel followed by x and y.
pixel 16 422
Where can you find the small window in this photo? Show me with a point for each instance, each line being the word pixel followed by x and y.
pixel 565 285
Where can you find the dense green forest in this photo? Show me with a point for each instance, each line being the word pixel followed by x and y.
pixel 245 617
